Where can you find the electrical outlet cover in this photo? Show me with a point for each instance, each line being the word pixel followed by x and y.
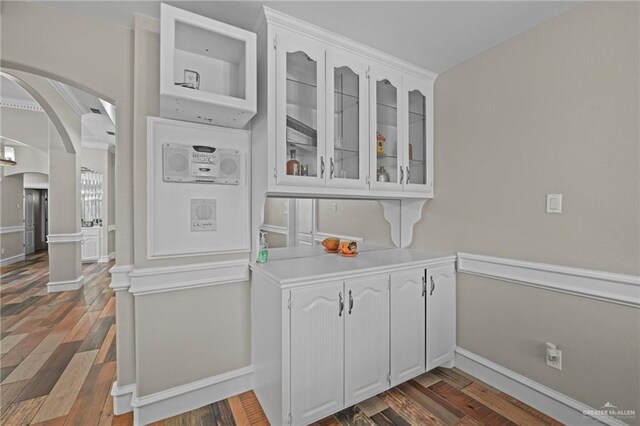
pixel 555 363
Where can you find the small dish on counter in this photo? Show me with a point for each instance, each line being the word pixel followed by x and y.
pixel 348 248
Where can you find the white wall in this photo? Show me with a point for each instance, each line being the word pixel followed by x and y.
pixel 554 110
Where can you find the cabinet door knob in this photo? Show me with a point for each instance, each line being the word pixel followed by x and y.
pixel 408 174
pixel 321 166
pixel 340 304
pixel 331 169
pixel 401 175
pixel 424 286
pixel 433 285
pixel 350 302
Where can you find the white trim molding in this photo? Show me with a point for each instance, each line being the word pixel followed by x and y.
pixel 122 397
pixel 64 238
pixel 184 398
pixel 56 286
pixel 170 278
pixel 553 403
pixel 15 103
pixel 104 259
pixel 600 285
pixel 120 277
pixel 12 259
pixel 111 228
pixel 11 229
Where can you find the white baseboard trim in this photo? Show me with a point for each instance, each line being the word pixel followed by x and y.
pixel 56 286
pixel 12 259
pixel 112 255
pixel 122 396
pixel 104 259
pixel 181 399
pixel 552 403
pixel 120 277
pixel 600 285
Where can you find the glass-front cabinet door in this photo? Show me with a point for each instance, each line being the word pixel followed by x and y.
pixel 419 135
pixel 300 110
pixel 386 129
pixel 347 117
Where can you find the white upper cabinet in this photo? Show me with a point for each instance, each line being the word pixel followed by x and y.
pixel 207 70
pixel 386 130
pixel 300 112
pixel 338 118
pixel 418 126
pixel 347 118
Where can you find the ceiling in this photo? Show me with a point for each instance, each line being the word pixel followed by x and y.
pixel 433 34
pixel 95 126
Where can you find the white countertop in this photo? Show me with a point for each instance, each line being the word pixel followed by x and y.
pixel 321 266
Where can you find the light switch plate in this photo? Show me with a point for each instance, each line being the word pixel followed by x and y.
pixel 554 203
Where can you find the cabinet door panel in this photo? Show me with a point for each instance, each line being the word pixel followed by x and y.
pixel 418 122
pixel 407 325
pixel 300 110
pixel 386 136
pixel 347 118
pixel 317 350
pixel 441 315
pixel 366 337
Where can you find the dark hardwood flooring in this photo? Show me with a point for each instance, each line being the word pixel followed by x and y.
pixel 58 364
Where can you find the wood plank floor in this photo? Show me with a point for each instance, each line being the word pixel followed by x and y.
pixel 58 350
pixel 58 364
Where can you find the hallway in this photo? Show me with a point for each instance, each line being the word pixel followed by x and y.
pixel 58 350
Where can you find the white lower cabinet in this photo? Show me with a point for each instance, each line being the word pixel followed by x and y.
pixel 366 332
pixel 324 346
pixel 317 352
pixel 339 346
pixel 90 244
pixel 407 325
pixel 441 315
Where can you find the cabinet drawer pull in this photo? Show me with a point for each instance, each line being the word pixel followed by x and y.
pixel 350 302
pixel 321 166
pixel 401 175
pixel 424 286
pixel 408 174
pixel 340 304
pixel 331 169
pixel 433 286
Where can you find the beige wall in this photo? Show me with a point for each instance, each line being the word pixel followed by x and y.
pixel 54 43
pixel 212 321
pixel 11 214
pixel 189 335
pixel 369 220
pixel 554 110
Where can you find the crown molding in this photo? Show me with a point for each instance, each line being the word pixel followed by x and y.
pixel 16 103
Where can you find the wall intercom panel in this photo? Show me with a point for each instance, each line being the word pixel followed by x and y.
pixel 200 164
pixel 198 189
